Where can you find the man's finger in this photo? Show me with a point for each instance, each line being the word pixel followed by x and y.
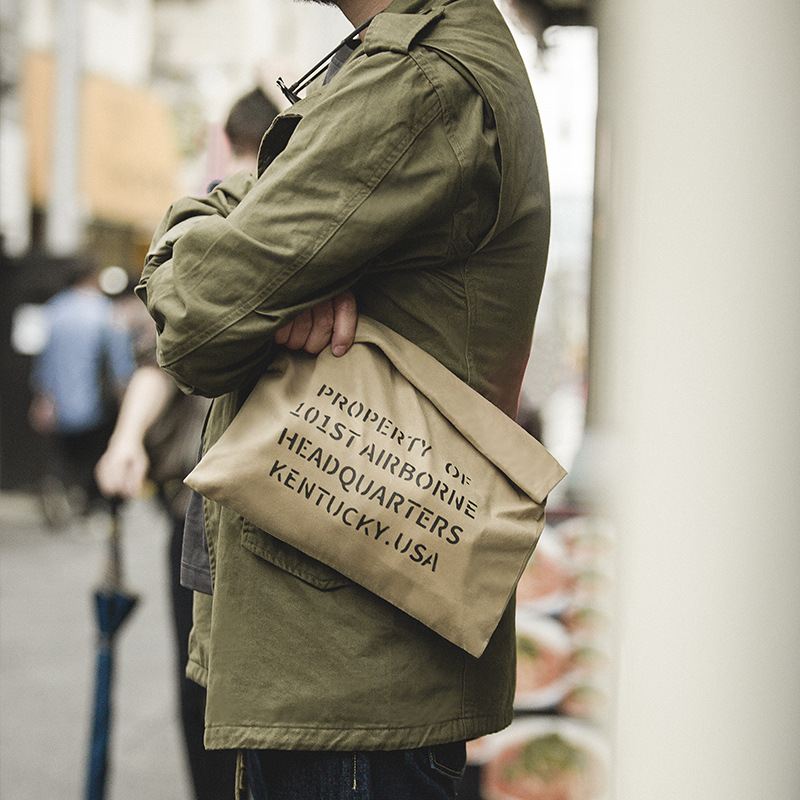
pixel 282 334
pixel 301 327
pixel 321 328
pixel 345 317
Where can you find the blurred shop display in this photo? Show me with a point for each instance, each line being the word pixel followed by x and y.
pixel 555 749
pixel 546 758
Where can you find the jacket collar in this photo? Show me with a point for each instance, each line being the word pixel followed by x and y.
pixel 410 6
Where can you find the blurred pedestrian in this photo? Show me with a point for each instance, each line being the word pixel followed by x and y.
pixel 157 436
pixel 247 121
pixel 77 381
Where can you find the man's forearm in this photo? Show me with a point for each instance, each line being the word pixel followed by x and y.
pixel 308 229
pixel 147 396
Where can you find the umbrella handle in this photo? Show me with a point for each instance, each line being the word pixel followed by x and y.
pixel 113 575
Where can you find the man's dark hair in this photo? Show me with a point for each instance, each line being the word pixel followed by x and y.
pixel 248 120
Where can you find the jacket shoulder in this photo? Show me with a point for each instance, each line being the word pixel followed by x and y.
pixel 396 33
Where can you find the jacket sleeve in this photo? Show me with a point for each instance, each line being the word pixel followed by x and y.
pixel 368 163
pixel 187 211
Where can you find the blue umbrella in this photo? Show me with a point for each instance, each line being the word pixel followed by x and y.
pixel 113 605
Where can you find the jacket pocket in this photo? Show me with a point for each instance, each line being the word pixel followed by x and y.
pixel 276 138
pixel 290 559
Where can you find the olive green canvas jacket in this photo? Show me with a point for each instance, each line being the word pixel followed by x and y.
pixel 417 178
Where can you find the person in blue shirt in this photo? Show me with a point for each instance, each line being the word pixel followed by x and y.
pixel 78 378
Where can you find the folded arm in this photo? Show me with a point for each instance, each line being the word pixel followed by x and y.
pixel 357 176
pixel 188 211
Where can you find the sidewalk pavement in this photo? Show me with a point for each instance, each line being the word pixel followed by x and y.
pixel 47 640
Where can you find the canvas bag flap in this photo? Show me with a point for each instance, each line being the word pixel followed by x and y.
pixel 386 467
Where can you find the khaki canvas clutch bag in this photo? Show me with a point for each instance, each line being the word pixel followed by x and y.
pixel 385 466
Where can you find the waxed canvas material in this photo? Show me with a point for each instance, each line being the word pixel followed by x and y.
pixel 319 663
pixel 386 467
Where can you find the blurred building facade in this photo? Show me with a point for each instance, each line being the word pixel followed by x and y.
pixel 156 80
pixel 209 52
pixel 109 111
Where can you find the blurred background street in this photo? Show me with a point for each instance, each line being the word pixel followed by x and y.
pixel 47 644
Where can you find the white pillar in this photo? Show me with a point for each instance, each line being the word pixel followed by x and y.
pixel 64 230
pixel 696 375
pixel 15 206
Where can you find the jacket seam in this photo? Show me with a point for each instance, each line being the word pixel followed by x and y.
pixel 357 199
pixel 212 567
pixel 469 319
pixel 349 727
pixel 463 695
pixel 452 141
pixel 212 559
pixel 459 156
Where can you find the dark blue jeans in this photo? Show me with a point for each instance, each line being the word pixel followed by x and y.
pixel 429 773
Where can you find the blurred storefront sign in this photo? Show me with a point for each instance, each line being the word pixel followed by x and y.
pixel 129 159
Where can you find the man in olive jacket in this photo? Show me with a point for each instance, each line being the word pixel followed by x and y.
pixel 416 178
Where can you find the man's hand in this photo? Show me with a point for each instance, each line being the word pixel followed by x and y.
pixel 121 470
pixel 329 322
pixel 42 414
